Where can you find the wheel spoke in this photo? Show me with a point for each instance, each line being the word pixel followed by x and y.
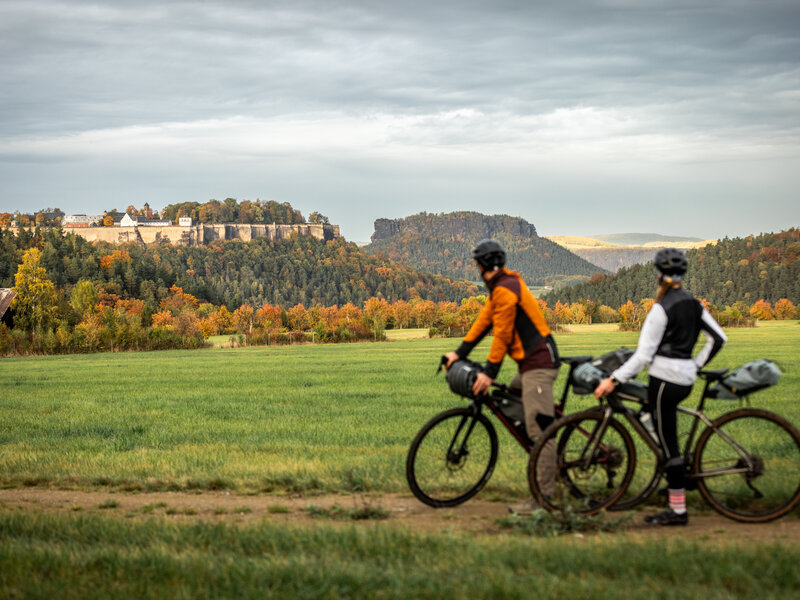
pixel 580 471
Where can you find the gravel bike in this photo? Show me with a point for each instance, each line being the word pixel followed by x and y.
pixel 454 454
pixel 745 463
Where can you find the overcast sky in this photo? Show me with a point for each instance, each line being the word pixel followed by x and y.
pixel 678 117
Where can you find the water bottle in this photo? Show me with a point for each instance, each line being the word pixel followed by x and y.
pixel 646 419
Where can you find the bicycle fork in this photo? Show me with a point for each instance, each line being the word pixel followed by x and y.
pixel 458 450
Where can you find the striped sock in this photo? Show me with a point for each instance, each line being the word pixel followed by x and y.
pixel 677 500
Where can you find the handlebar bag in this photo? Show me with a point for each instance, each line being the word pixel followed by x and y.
pixel 461 376
pixel 611 361
pixel 585 377
pixel 750 377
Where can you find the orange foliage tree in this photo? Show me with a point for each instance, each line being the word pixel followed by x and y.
pixel 762 310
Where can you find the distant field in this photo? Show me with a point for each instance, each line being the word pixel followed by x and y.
pixel 574 242
pixel 406 334
pixel 302 418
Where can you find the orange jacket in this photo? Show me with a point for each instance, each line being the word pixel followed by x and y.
pixel 520 329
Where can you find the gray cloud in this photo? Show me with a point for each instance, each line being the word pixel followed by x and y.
pixel 614 81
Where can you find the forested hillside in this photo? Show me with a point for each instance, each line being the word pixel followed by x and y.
pixel 739 269
pixel 298 270
pixel 443 243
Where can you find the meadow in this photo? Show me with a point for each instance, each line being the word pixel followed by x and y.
pixel 310 418
pixel 315 419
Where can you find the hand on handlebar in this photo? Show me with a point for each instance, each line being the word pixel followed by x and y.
pixel 451 358
pixel 604 388
pixel 482 383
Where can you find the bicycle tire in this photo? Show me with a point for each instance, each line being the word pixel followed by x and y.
pixel 441 469
pixel 770 487
pixel 585 489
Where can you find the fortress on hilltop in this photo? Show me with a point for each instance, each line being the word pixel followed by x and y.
pixel 201 234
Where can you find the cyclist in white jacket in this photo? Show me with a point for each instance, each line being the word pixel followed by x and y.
pixel 668 336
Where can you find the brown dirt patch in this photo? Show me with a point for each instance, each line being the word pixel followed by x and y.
pixel 476 516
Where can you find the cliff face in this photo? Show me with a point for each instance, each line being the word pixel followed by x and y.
pixel 199 235
pixel 457 223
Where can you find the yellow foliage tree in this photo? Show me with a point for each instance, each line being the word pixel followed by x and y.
pixel 785 309
pixel 36 300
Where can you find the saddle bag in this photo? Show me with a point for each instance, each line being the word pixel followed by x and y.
pixel 743 381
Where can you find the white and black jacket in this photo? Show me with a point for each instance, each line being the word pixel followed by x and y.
pixel 668 336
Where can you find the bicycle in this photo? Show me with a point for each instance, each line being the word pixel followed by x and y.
pixel 745 463
pixel 454 454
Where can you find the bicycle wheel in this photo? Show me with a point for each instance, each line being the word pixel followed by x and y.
pixel 755 475
pixel 452 457
pixel 588 465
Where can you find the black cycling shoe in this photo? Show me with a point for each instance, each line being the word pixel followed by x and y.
pixel 668 517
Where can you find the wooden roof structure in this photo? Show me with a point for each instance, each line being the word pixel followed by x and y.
pixel 6 296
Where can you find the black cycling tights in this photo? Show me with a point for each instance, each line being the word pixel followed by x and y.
pixel 663 398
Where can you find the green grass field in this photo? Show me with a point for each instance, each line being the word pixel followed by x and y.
pixel 295 418
pixel 314 419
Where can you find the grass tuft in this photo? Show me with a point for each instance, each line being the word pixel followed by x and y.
pixel 363 511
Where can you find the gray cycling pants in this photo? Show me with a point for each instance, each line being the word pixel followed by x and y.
pixel 537 399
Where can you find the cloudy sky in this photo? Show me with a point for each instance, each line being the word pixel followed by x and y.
pixel 589 116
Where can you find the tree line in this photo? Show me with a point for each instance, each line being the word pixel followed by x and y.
pixel 748 269
pixel 213 211
pixel 90 318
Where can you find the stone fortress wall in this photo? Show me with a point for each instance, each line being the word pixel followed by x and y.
pixel 200 235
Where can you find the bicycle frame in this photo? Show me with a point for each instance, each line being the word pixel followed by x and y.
pixel 493 399
pixel 615 406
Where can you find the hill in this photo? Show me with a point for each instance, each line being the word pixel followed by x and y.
pixel 738 269
pixel 615 256
pixel 301 269
pixel 443 243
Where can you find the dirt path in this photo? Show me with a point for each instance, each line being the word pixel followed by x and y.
pixel 475 516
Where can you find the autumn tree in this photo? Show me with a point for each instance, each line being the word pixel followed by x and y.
pixel 627 312
pixel 376 313
pixel 268 316
pixel 606 314
pixel 36 302
pixel 762 310
pixel 84 296
pixel 785 309
pixel 243 318
pixel 298 318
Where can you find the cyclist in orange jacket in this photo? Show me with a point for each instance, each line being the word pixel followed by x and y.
pixel 521 332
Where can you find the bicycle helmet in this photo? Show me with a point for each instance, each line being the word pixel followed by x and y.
pixel 489 254
pixel 671 262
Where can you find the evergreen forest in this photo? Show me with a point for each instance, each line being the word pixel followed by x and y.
pixel 298 270
pixel 443 244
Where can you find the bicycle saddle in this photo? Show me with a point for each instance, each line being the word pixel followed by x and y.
pixel 713 374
